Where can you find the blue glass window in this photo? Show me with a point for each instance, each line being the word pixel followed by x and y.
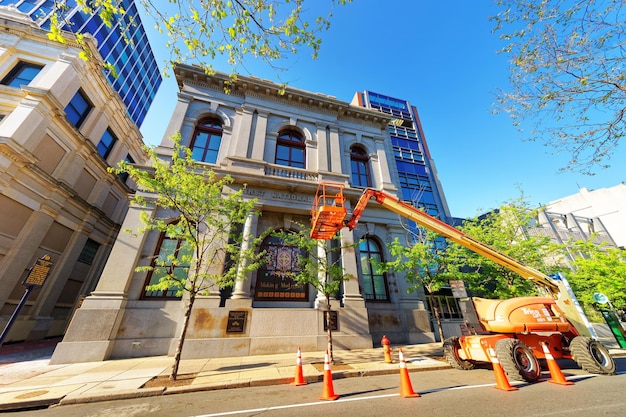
pixel 374 281
pixel 382 100
pixel 290 149
pixel 124 175
pixel 78 109
pixel 47 7
pixel 206 141
pixel 168 265
pixel 27 6
pixel 360 167
pixel 77 20
pixel 22 74
pixel 106 143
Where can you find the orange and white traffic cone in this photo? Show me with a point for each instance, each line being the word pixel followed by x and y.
pixel 502 382
pixel 555 371
pixel 328 392
pixel 299 379
pixel 406 389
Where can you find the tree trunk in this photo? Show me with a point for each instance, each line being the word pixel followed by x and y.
pixel 181 341
pixel 329 331
pixel 438 319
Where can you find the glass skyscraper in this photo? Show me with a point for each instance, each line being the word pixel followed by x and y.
pixel 418 181
pixel 123 45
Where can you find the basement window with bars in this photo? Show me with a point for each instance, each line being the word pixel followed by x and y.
pixel 166 261
pixel 88 254
pixel 446 305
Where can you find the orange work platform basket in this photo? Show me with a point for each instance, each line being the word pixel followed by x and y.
pixel 328 211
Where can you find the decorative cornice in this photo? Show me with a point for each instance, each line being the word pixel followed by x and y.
pixel 243 86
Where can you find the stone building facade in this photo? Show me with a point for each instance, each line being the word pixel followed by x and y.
pixel 281 145
pixel 124 44
pixel 62 127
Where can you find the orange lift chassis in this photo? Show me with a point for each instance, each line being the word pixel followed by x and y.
pixel 516 328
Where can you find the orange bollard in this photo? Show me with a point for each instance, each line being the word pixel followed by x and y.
pixel 502 381
pixel 406 389
pixel 328 392
pixel 299 379
pixel 555 371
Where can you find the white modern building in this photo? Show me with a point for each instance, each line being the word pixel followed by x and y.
pixel 589 214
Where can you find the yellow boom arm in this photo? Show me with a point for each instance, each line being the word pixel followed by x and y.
pixel 405 210
pixel 328 214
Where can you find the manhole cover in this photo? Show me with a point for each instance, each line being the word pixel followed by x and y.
pixel 31 394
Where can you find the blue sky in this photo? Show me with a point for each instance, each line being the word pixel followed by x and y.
pixel 441 56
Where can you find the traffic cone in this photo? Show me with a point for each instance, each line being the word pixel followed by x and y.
pixel 406 389
pixel 502 381
pixel 299 379
pixel 555 371
pixel 328 392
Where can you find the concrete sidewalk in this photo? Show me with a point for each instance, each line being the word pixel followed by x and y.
pixel 27 380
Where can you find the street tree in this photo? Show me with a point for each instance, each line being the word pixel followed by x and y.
pixel 192 205
pixel 200 31
pixel 425 263
pixel 567 77
pixel 597 268
pixel 319 266
pixel 504 230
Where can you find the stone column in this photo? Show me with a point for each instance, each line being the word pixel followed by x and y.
pixel 241 293
pixel 322 148
pixel 334 149
pixel 258 140
pixel 320 298
pixel 176 120
pixel 352 295
pixel 91 334
pixel 24 250
pixel 381 162
pixel 50 292
pixel 407 300
pixel 240 139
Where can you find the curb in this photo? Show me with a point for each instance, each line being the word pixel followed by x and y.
pixel 70 399
pixel 18 406
pixel 114 395
pixel 256 382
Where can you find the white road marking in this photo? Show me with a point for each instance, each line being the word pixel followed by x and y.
pixel 280 407
pixel 372 397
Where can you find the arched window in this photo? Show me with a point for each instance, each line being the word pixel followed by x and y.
pixel 206 141
pixel 360 166
pixel 167 260
pixel 374 281
pixel 290 149
pixel 274 282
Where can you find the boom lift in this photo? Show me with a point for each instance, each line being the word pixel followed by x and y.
pixel 515 328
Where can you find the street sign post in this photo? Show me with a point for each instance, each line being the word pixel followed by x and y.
pixel 610 316
pixel 35 278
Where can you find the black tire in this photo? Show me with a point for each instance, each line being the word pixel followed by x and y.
pixel 518 360
pixel 451 348
pixel 592 356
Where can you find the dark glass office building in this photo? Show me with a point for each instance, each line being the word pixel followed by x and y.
pixel 138 77
pixel 417 176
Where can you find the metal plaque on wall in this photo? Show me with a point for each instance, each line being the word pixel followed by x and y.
pixel 333 321
pixel 236 321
